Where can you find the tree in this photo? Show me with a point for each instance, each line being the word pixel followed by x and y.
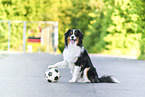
pixel 26 10
pixel 73 15
pixel 141 10
pixel 115 28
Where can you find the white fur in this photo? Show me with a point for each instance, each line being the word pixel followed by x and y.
pixel 114 79
pixel 76 74
pixel 70 55
pixel 73 35
pixel 85 78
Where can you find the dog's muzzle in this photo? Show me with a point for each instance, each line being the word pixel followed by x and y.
pixel 72 39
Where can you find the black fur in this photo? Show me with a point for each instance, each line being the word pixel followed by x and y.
pixel 84 61
pixel 67 34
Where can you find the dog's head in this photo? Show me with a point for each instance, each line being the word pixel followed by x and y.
pixel 73 36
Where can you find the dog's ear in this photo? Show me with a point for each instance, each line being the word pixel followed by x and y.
pixel 81 35
pixel 66 36
pixel 67 33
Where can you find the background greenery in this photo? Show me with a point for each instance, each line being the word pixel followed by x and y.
pixel 110 26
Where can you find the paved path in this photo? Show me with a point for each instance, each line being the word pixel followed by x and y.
pixel 22 75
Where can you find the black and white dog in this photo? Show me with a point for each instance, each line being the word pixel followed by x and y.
pixel 78 61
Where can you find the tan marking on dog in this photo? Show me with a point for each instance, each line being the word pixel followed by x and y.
pixel 68 40
pixel 77 39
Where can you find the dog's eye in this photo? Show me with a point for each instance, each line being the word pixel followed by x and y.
pixel 71 32
pixel 75 33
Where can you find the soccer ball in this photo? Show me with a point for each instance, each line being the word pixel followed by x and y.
pixel 52 75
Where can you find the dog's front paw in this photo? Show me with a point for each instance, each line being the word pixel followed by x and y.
pixel 51 66
pixel 72 81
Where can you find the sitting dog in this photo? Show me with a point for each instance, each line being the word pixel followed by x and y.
pixel 78 61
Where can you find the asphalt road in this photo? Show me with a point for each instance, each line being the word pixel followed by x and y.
pixel 22 75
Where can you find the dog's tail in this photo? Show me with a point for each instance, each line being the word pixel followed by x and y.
pixel 108 79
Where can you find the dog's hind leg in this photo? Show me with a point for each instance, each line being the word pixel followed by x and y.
pixel 85 75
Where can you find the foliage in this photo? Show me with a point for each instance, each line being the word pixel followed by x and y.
pixel 71 17
pixel 123 28
pixel 27 10
pixel 3 35
pixel 116 29
pixel 141 22
pixel 93 35
pixel 109 26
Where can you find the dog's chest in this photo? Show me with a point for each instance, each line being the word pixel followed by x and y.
pixel 71 53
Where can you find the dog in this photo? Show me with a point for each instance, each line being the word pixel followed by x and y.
pixel 76 58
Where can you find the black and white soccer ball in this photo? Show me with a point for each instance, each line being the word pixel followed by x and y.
pixel 52 75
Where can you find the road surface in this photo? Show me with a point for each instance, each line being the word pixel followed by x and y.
pixel 22 75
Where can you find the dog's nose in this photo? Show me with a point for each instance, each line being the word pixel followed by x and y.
pixel 72 37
